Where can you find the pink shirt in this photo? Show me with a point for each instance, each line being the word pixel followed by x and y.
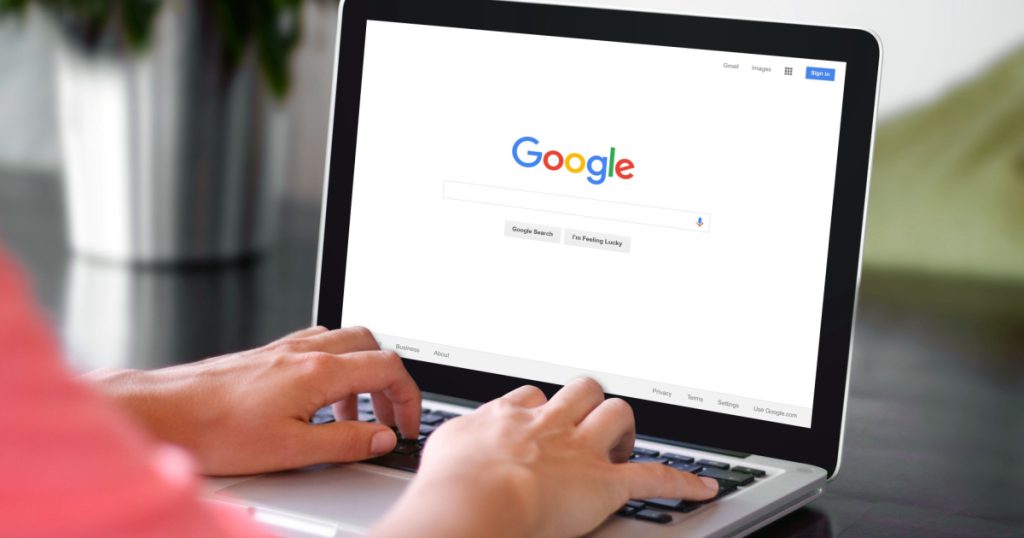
pixel 71 464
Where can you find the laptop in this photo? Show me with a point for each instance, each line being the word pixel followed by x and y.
pixel 671 205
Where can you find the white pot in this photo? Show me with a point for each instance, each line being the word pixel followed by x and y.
pixel 170 156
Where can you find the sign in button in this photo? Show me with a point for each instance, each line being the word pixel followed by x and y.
pixel 821 73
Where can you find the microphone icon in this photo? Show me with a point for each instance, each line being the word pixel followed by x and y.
pixel 700 221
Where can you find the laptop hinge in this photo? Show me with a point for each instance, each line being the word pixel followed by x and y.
pixel 694 446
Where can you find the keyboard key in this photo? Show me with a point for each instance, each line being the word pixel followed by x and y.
pixel 640 451
pixel 647 459
pixel 630 508
pixel 431 419
pixel 723 491
pixel 626 510
pixel 690 506
pixel 684 467
pixel 366 417
pixel 715 464
pixel 677 505
pixel 653 516
pixel 427 429
pixel 756 473
pixel 406 447
pixel 727 478
pixel 403 462
pixel 677 457
pixel 322 416
pixel 447 414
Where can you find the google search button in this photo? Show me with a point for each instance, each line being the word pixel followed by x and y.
pixel 821 73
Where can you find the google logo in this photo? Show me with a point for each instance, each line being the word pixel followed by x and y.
pixel 598 166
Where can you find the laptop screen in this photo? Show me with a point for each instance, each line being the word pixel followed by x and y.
pixel 656 218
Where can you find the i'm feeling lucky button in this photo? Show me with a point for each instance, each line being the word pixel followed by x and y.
pixel 597 240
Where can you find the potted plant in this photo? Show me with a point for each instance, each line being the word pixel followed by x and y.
pixel 172 126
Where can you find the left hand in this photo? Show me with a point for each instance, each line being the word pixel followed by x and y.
pixel 249 412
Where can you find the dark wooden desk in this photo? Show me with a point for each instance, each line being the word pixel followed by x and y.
pixel 935 430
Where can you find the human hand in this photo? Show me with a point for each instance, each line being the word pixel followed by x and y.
pixel 523 466
pixel 249 412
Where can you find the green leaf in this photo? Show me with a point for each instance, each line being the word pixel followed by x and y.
pixel 277 35
pixel 12 6
pixel 272 26
pixel 137 17
pixel 235 19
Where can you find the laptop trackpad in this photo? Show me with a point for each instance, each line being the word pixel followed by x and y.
pixel 355 496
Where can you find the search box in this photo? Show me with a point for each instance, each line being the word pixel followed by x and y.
pixel 578 207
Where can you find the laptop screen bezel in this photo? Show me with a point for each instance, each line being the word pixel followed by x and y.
pixel 818 445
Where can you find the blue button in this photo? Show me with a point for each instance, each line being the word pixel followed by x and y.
pixel 821 73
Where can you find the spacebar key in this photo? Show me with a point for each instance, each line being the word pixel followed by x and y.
pixel 397 461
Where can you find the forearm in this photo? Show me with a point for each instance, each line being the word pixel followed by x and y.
pixel 146 396
pixel 127 389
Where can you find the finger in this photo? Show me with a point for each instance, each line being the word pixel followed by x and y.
pixel 612 427
pixel 378 372
pixel 576 400
pixel 644 480
pixel 302 333
pixel 347 408
pixel 383 408
pixel 339 442
pixel 339 341
pixel 526 396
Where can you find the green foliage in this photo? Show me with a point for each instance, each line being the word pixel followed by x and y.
pixel 12 6
pixel 271 26
pixel 947 192
pixel 137 18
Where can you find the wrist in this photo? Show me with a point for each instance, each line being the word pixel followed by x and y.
pixel 466 504
pixel 133 391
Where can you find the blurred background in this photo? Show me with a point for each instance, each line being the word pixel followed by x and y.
pixel 161 166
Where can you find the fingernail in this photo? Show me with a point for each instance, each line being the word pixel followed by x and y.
pixel 711 483
pixel 382 442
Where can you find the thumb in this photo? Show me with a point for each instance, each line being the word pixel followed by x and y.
pixel 343 441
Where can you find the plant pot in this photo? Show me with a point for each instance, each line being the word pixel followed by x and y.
pixel 171 154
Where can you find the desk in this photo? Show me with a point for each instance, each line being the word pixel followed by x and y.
pixel 935 429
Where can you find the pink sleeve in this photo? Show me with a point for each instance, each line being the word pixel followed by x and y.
pixel 73 465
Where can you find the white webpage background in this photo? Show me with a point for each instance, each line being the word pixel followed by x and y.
pixel 735 311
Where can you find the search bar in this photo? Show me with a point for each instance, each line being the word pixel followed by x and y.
pixel 577 207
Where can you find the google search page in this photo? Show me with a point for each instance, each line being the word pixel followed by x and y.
pixel 653 217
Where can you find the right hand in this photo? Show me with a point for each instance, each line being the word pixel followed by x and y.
pixel 249 412
pixel 521 465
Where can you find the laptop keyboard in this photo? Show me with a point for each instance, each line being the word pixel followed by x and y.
pixel 406 456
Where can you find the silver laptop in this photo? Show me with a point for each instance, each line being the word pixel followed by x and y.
pixel 671 205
